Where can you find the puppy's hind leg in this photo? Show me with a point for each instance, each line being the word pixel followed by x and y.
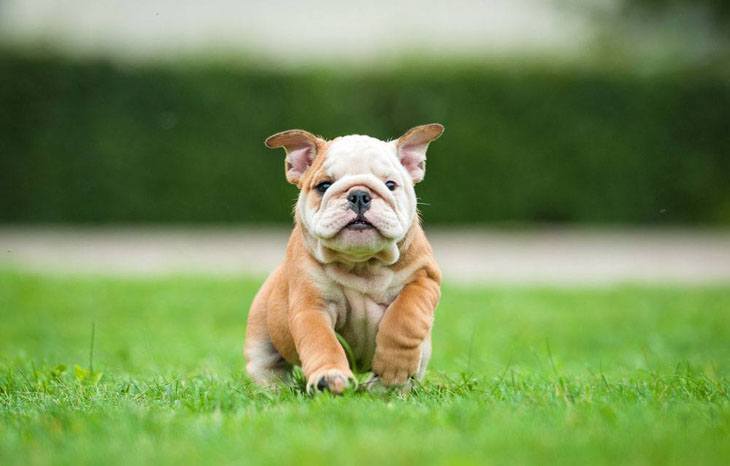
pixel 264 364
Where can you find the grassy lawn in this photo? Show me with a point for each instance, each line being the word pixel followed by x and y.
pixel 626 374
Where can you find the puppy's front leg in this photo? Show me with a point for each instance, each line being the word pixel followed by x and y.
pixel 405 326
pixel 322 357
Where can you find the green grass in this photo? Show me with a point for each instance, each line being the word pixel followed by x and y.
pixel 626 374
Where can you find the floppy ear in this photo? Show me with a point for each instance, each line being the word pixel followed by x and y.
pixel 301 148
pixel 412 148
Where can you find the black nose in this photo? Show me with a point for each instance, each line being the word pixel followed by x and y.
pixel 359 201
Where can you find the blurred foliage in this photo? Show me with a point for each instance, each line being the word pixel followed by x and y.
pixel 91 141
pixel 719 10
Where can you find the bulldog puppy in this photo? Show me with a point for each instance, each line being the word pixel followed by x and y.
pixel 357 263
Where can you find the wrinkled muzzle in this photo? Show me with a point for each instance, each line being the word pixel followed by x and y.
pixel 353 204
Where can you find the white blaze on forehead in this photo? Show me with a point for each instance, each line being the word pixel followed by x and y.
pixel 354 155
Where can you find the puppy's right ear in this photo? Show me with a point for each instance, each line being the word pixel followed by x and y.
pixel 301 148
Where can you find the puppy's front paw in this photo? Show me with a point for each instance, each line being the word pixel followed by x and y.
pixel 334 380
pixel 377 386
pixel 396 367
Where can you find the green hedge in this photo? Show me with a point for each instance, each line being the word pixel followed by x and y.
pixel 90 141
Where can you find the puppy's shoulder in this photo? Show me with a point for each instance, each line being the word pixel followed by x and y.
pixel 417 255
pixel 299 267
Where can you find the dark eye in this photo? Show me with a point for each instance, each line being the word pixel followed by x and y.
pixel 391 185
pixel 323 186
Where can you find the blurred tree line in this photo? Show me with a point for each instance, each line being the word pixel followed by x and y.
pixel 97 142
pixel 719 10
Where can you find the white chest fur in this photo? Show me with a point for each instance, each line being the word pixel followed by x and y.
pixel 357 303
pixel 358 323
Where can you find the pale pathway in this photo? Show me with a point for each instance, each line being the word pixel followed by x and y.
pixel 549 256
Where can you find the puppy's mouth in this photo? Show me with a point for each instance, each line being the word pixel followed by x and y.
pixel 360 223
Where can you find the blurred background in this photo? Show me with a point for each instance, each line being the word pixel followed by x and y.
pixel 567 114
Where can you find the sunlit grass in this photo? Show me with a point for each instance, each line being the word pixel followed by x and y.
pixel 519 375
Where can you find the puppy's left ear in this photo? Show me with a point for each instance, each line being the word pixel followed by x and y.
pixel 301 148
pixel 412 148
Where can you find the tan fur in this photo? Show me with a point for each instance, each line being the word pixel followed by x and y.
pixel 292 322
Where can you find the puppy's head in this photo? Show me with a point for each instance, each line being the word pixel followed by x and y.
pixel 357 197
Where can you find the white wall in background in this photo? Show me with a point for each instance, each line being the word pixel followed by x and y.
pixel 297 31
